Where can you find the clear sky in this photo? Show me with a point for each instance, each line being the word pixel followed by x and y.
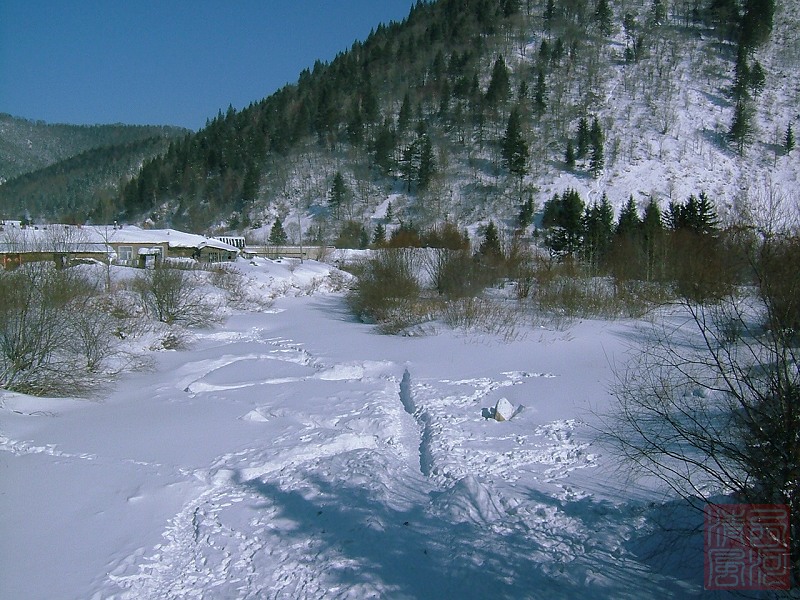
pixel 167 62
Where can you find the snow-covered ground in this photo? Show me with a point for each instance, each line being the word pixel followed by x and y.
pixel 296 453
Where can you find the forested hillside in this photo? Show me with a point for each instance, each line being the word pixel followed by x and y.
pixel 27 146
pixel 84 186
pixel 472 109
pixel 71 173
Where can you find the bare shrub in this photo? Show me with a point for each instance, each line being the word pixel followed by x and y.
pixel 454 273
pixel 174 296
pixel 584 297
pixel 387 286
pixel 489 315
pixel 93 335
pixel 51 340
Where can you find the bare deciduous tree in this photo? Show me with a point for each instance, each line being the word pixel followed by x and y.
pixel 711 403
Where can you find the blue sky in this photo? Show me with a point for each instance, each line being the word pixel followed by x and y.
pixel 167 62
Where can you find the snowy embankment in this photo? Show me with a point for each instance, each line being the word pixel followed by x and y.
pixel 287 455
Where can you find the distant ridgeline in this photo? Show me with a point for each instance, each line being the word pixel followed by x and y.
pixel 66 172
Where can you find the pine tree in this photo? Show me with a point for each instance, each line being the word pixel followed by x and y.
pixel 652 239
pixel 389 213
pixel 409 164
pixel 383 147
pixel 788 139
pixel 363 238
pixel 758 79
pixel 526 214
pixel 544 53
pixel 741 126
pixel 514 147
pixel 705 216
pixel 597 232
pixel 564 215
pixel 741 75
pixel 404 117
pixel 500 84
pixel 756 23
pixel 597 160
pixel 603 15
pixel 584 138
pixel 658 13
pixel 355 126
pixel 539 94
pixel 338 194
pixel 628 222
pixel 427 163
pixel 277 236
pixel 490 246
pixel 569 156
pixel 549 14
pixel 379 235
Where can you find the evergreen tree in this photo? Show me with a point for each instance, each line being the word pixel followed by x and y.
pixel 370 108
pixel 603 16
pixel 697 215
pixel 584 138
pixel 540 94
pixel 597 160
pixel 758 79
pixel 598 229
pixel 389 213
pixel 549 14
pixel 409 163
pixel 526 214
pixel 277 236
pixel 704 217
pixel 379 235
pixel 788 139
pixel 550 211
pixel 490 246
pixel 652 239
pixel 544 53
pixel 514 147
pixel 250 183
pixel 383 147
pixel 427 163
pixel 500 84
pixel 741 126
pixel 363 238
pixel 741 75
pixel 628 222
pixel 404 117
pixel 564 216
pixel 569 156
pixel 338 194
pixel 658 14
pixel 355 126
pixel 596 136
pixel 522 92
pixel 756 23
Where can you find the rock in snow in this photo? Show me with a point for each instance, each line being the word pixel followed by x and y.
pixel 503 410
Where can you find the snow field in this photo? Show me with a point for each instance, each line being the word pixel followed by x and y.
pixel 288 455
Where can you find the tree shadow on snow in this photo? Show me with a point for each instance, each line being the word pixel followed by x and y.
pixel 414 552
